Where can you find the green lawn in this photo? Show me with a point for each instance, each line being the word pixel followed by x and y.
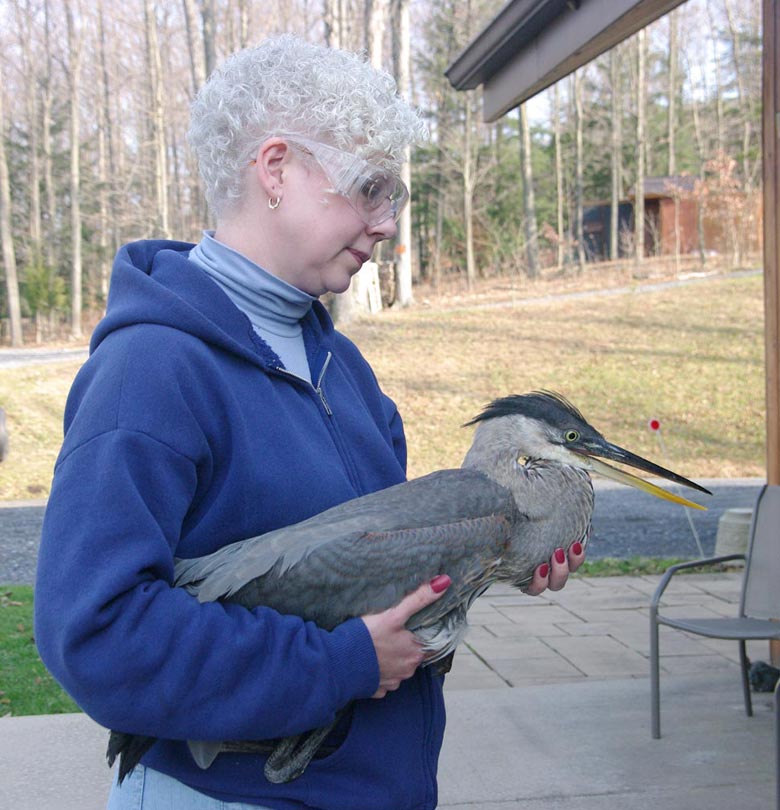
pixel 25 685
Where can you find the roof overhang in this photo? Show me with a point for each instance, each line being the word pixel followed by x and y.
pixel 531 44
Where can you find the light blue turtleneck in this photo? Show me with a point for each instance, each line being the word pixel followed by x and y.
pixel 274 307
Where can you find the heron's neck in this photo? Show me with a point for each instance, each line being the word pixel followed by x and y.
pixel 494 450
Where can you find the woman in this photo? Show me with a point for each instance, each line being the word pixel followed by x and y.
pixel 219 403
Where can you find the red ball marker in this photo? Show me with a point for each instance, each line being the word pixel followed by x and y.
pixel 654 424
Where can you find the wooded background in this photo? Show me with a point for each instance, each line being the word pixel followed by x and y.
pixel 94 108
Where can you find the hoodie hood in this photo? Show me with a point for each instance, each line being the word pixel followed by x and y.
pixel 153 281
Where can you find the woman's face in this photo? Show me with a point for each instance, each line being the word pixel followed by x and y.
pixel 325 239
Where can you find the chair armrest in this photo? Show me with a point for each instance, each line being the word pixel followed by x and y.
pixel 673 569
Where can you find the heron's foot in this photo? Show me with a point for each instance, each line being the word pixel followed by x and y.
pixel 444 665
pixel 292 755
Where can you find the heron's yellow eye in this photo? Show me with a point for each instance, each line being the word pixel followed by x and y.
pixel 571 435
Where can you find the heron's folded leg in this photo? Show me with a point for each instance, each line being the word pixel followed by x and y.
pixel 444 665
pixel 292 755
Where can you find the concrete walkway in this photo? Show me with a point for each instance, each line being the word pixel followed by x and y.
pixel 548 708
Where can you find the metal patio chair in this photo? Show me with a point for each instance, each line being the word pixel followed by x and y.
pixel 777 743
pixel 759 601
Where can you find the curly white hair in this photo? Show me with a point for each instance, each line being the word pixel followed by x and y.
pixel 288 85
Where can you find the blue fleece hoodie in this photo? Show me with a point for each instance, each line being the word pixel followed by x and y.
pixel 183 433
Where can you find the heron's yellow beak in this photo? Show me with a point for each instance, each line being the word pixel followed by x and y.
pixel 595 448
pixel 623 477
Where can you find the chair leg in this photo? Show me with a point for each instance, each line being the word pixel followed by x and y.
pixel 744 666
pixel 777 742
pixel 655 685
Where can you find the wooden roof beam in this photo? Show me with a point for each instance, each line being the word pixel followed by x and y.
pixel 531 44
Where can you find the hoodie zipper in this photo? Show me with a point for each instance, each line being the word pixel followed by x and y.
pixel 316 388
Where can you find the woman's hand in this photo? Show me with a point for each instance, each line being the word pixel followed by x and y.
pixel 398 651
pixel 553 575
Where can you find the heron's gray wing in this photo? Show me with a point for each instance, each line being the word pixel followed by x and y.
pixel 371 572
pixel 362 555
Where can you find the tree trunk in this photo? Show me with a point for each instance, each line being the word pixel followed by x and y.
pixel 529 203
pixel 47 100
pixel 195 45
pixel 154 65
pixel 671 110
pixel 106 169
pixel 639 195
pixel 578 172
pixel 243 23
pixel 744 99
pixel 375 12
pixel 402 47
pixel 74 70
pixel 718 92
pixel 559 200
pixel 438 236
pixel 333 18
pixel 671 168
pixel 6 234
pixel 616 161
pixel 208 14
pixel 468 195
pixel 701 157
pixel 24 19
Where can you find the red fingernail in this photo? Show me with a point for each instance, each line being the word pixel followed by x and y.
pixel 544 570
pixel 440 583
pixel 560 555
pixel 576 548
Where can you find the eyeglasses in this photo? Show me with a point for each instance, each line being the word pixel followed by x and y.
pixel 375 194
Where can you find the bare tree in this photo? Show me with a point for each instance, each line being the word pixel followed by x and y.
pixel 157 121
pixel 559 198
pixel 402 60
pixel 529 203
pixel 6 234
pixel 718 90
pixel 578 170
pixel 375 15
pixel 331 22
pixel 75 53
pixel 616 154
pixel 469 174
pixel 671 168
pixel 195 45
pixel 334 15
pixel 107 214
pixel 47 100
pixel 208 14
pixel 639 187
pixel 744 99
pixel 30 73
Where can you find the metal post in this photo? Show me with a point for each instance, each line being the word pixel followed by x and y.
pixel 655 686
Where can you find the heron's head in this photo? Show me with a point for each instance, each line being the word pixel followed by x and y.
pixel 543 425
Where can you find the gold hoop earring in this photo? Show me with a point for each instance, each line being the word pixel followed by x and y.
pixel 274 204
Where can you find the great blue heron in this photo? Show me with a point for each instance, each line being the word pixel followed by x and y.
pixel 522 491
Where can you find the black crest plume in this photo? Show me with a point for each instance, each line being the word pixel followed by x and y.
pixel 536 405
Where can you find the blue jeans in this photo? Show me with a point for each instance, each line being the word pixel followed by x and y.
pixel 147 789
